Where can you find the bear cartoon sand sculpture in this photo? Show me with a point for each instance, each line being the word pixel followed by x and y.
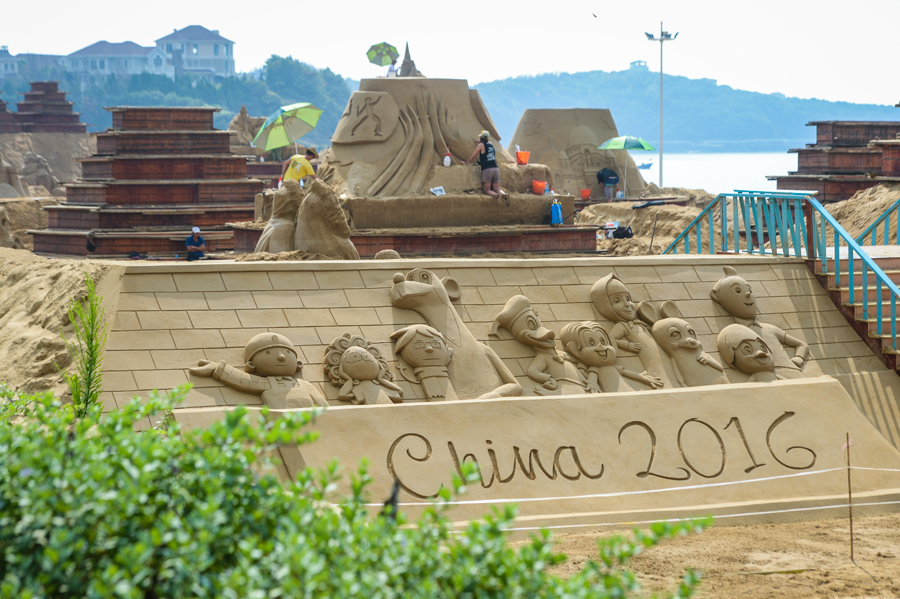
pixel 476 371
pixel 551 374
pixel 734 294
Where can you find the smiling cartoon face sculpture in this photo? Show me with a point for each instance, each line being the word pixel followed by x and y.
pixel 425 351
pixel 744 350
pixel 358 369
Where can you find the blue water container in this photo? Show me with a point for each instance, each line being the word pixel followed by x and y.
pixel 556 217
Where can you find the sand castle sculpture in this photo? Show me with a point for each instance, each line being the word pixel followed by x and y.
pixel 588 346
pixel 396 130
pixel 735 295
pixel 361 373
pixel 312 222
pixel 550 373
pixel 744 350
pixel 424 350
pixel 10 182
pixel 476 371
pixel 270 366
pixel 243 128
pixel 630 333
pixel 567 140
pixel 36 171
pixel 692 366
pixel 7 239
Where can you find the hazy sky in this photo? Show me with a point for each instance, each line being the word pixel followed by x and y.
pixel 809 49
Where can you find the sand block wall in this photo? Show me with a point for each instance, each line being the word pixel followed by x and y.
pixel 573 462
pixel 169 317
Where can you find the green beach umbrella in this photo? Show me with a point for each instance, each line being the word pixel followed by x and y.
pixel 625 142
pixel 382 54
pixel 286 125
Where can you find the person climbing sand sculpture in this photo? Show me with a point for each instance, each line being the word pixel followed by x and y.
pixel 613 300
pixel 299 168
pixel 734 294
pixel 367 107
pixel 490 172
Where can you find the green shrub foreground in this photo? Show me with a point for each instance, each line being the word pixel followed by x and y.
pixel 91 508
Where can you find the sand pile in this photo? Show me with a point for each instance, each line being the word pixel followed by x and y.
pixel 26 213
pixel 62 150
pixel 34 297
pixel 791 560
pixel 672 221
pixel 281 257
pixel 864 208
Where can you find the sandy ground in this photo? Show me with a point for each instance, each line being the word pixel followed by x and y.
pixel 861 210
pixel 739 561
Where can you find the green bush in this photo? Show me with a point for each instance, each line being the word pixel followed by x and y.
pixel 91 508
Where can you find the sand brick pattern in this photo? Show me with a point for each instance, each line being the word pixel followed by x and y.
pixel 171 316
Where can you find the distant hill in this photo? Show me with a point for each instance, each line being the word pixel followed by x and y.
pixel 700 115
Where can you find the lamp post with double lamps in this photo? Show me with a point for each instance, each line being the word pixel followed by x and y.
pixel 664 36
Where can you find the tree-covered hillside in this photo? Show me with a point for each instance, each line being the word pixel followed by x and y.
pixel 284 81
pixel 700 116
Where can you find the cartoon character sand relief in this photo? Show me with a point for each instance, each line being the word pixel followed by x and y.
pixel 551 373
pixel 270 363
pixel 734 294
pixel 476 370
pixel 357 367
pixel 693 367
pixel 613 300
pixel 425 350
pixel 744 350
pixel 587 345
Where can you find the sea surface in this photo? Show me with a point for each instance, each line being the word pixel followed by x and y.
pixel 718 173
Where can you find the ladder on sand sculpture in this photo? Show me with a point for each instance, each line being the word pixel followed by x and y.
pixel 860 276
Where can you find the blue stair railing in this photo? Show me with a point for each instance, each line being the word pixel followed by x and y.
pixel 883 223
pixel 797 225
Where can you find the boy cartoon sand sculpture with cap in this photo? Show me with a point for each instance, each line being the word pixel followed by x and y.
pixel 551 374
pixel 588 346
pixel 613 300
pixel 734 294
pixel 270 362
pixel 357 367
pixel 425 350
pixel 744 350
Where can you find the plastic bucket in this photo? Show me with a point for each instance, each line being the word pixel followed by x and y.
pixel 538 187
pixel 522 157
pixel 585 194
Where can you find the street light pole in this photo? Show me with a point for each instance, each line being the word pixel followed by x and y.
pixel 664 36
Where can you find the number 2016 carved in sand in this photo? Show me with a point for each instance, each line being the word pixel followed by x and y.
pixel 685 474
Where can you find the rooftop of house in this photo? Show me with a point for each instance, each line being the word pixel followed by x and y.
pixel 105 48
pixel 194 33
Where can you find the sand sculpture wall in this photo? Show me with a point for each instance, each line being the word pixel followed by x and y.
pixel 394 131
pixel 566 140
pixel 427 332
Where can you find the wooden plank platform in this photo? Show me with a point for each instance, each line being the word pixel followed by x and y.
pixel 840 160
pixel 124 242
pixel 460 241
pixel 166 167
pixel 165 193
pixel 853 133
pixel 156 118
pixel 84 218
pixel 163 142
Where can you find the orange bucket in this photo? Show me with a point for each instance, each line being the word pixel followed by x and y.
pixel 585 194
pixel 538 187
pixel 522 157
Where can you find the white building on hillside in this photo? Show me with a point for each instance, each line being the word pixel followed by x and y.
pixel 125 58
pixel 9 65
pixel 203 52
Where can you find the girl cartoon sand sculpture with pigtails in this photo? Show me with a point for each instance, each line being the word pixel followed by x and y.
pixel 613 300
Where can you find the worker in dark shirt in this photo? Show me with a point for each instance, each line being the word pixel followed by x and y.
pixel 608 179
pixel 195 245
pixel 490 172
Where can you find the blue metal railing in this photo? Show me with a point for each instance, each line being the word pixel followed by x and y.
pixel 790 224
pixel 883 222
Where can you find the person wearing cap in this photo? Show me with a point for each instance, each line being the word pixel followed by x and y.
pixel 270 366
pixel 195 245
pixel 490 172
pixel 299 168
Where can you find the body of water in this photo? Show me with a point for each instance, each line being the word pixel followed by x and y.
pixel 717 173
